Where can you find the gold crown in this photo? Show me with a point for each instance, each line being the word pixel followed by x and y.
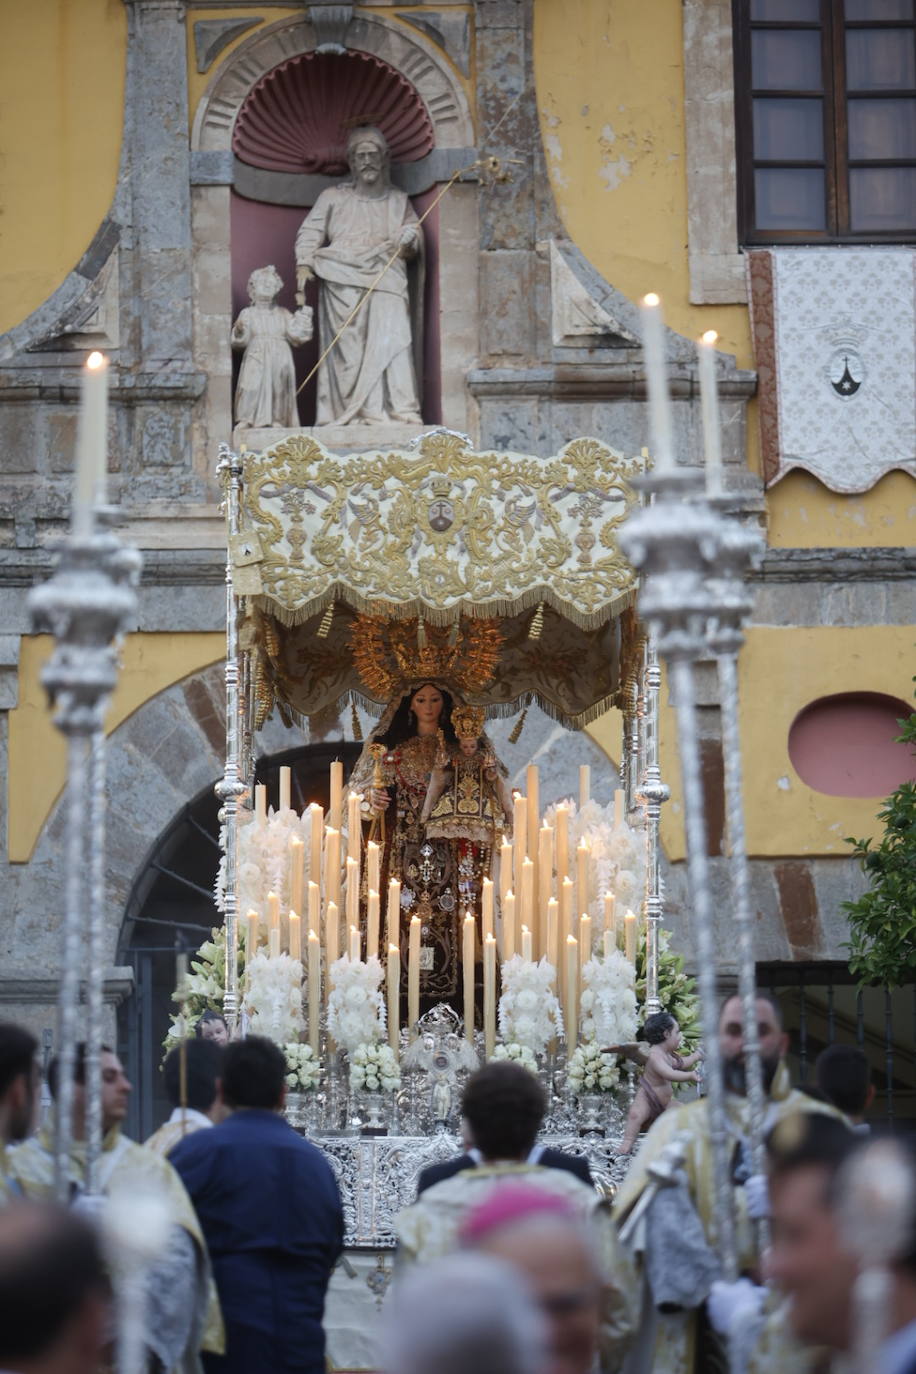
pixel 468 721
pixel 391 654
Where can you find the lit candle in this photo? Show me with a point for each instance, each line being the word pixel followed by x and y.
pixel 314 906
pixel 332 934
pixel 653 342
pixel 394 912
pixel 509 925
pixel 527 912
pixel 526 944
pixel 489 996
pixel 332 865
pixel 352 892
pixel 373 866
pixel 296 873
pixel 570 1011
pixel 394 997
pixel 505 871
pixel 610 916
pixel 486 908
pixel 561 825
pixel 585 785
pixel 533 809
pixel 544 881
pixel 314 983
pixel 629 934
pixel 354 826
pixel 91 444
pixel 609 943
pixel 566 909
pixel 709 404
pixel 582 857
pixel 585 939
pixel 335 812
pixel 373 914
pixel 285 788
pixel 316 837
pixel 295 936
pixel 519 839
pixel 413 974
pixel 553 929
pixel 468 939
pixel 355 945
pixel 618 807
pixel 273 911
pixel 260 804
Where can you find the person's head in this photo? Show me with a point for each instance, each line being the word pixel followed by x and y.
pixel 466 1312
pixel 773 1040
pixel 254 1074
pixel 19 1078
pixel 203 1065
pixel 503 1106
pixel 116 1088
pixel 264 285
pixel 843 1074
pixel 468 723
pixel 662 1029
pixel 807 1259
pixel 212 1026
pixel 54 1294
pixel 435 713
pixel 368 156
pixel 541 1236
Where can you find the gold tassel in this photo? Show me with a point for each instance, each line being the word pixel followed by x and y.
pixel 354 717
pixel 518 727
pixel 453 635
pixel 324 629
pixel 537 622
pixel 421 633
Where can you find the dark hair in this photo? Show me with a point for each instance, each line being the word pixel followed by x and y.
pixel 402 727
pixel 206 1016
pixel 18 1048
pixel 843 1074
pixel 79 1066
pixel 761 995
pixel 50 1264
pixel 657 1027
pixel 203 1067
pixel 804 1140
pixel 254 1073
pixel 504 1106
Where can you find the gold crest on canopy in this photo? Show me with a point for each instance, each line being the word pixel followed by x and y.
pixel 363 572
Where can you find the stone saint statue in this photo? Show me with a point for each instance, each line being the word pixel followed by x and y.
pixel 352 231
pixel 266 392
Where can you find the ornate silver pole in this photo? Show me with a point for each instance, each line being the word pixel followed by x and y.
pixel 95 957
pixel 653 793
pixel 675 544
pixel 231 787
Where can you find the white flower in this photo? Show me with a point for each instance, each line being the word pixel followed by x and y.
pixel 590 1069
pixel 608 1002
pixel 274 997
pixel 529 1013
pixel 374 1068
pixel 356 1007
pixel 517 1054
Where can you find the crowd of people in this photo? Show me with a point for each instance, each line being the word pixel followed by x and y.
pixel 509 1260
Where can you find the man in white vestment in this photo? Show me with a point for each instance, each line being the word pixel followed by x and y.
pixel 352 231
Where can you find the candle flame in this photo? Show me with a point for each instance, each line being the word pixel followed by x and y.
pixel 96 360
pixel 651 299
pixel 709 337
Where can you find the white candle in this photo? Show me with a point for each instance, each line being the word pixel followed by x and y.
pixel 468 940
pixel 273 911
pixel 533 808
pixel 582 857
pixel 585 785
pixel 314 906
pixel 354 826
pixel 571 1010
pixel 273 942
pixel 486 908
pixel 316 836
pixel 653 342
pixel 332 865
pixel 527 912
pixel 509 925
pixel 413 974
pixel 373 866
pixel 505 871
pixel 519 839
pixel 296 873
pixel 610 916
pixel 260 804
pixel 295 935
pixel 394 912
pixel 335 810
pixel 355 945
pixel 618 807
pixel 553 929
pixel 489 996
pixel 251 939
pixel 709 403
pixel 629 932
pixel 332 935
pixel 609 943
pixel 562 829
pixel 372 924
pixel 314 984
pixel 394 997
pixel 526 944
pixel 285 788
pixel 91 444
pixel 585 939
pixel 566 909
pixel 544 882
pixel 352 892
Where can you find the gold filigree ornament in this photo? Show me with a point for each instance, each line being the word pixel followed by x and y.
pixel 468 721
pixel 388 657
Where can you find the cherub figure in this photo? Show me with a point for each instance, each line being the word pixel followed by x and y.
pixel 662 1067
pixel 266 392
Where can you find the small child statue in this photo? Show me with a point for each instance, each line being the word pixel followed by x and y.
pixel 266 392
pixel 663 1066
pixel 467 797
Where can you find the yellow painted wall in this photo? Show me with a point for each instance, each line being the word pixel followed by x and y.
pixel 62 67
pixel 804 514
pixel 37 752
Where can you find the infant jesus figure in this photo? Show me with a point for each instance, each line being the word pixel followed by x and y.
pixel 663 1066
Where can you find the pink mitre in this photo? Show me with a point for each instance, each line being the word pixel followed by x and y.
pixel 512 1202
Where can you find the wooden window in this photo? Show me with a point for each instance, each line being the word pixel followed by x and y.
pixel 825 100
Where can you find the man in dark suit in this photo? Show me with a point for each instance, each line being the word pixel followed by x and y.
pixel 270 1211
pixel 483 1109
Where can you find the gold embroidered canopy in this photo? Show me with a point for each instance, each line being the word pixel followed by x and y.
pixel 360 568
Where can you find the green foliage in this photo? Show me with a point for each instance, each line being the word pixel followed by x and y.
pixel 677 991
pixel 205 986
pixel 882 922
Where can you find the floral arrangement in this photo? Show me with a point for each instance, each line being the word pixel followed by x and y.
pixel 303 1067
pixel 204 987
pixel 516 1054
pixel 264 858
pixel 592 1070
pixel 529 1013
pixel 608 1001
pixel 616 855
pixel 677 991
pixel 274 998
pixel 374 1069
pixel 356 1007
